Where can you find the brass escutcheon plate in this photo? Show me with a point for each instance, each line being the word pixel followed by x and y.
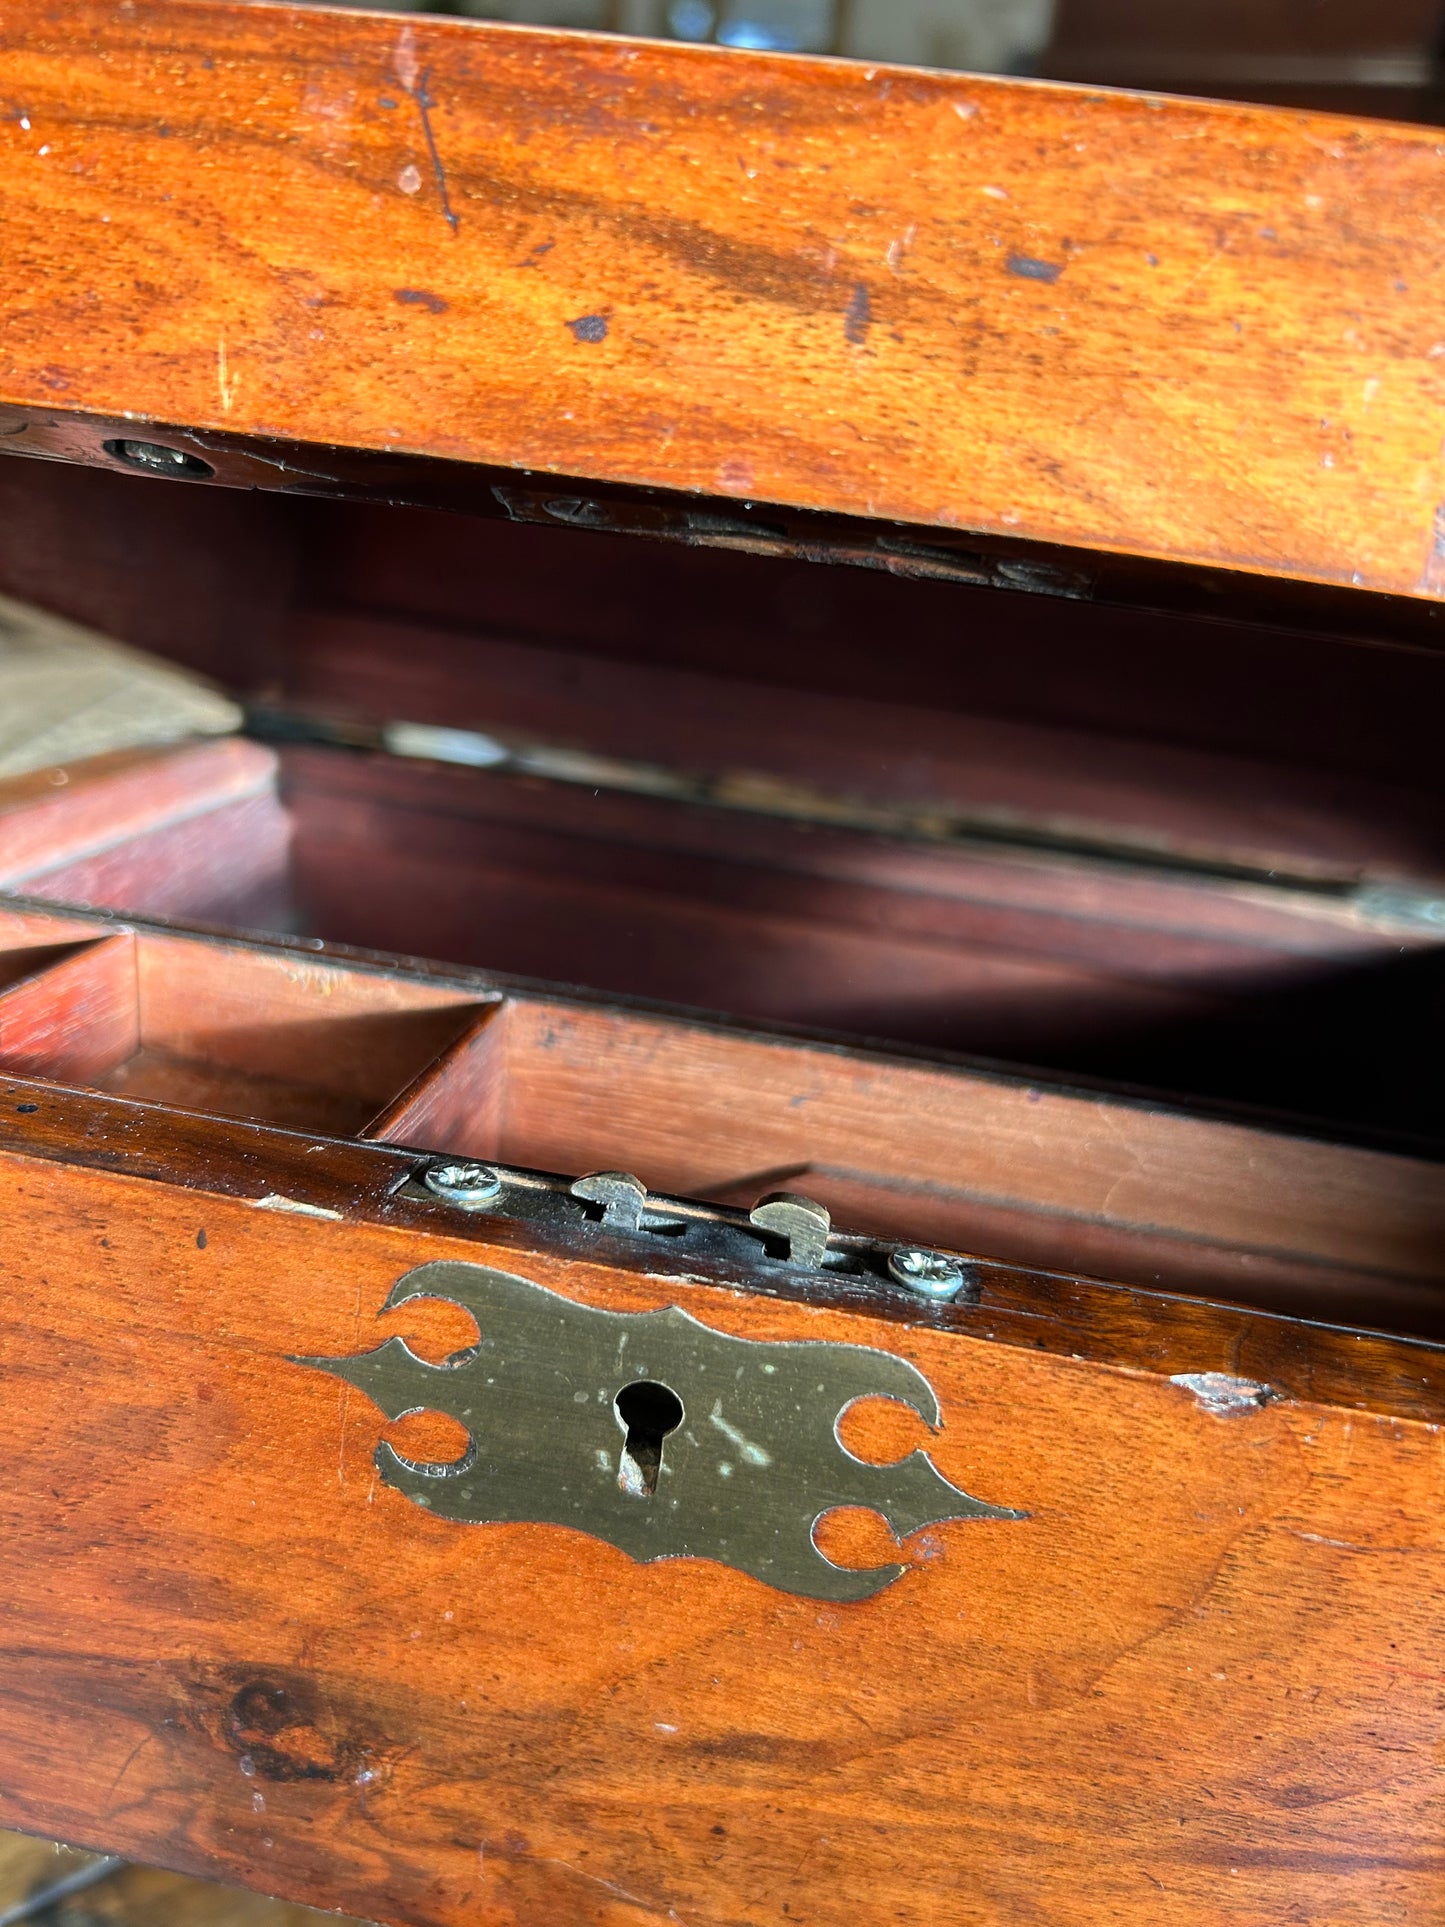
pixel 653 1432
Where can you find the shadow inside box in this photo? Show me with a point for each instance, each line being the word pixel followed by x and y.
pixel 1359 1049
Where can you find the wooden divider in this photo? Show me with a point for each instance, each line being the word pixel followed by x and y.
pixel 76 1017
pixel 224 1029
pixel 988 1162
pixel 457 1102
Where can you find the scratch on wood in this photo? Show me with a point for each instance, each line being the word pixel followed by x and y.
pixel 1350 1545
pixel 1223 1394
pixel 416 80
pixel 226 382
pixel 607 1886
pixel 425 103
pixel 273 1201
pixel 128 1762
pixel 1204 268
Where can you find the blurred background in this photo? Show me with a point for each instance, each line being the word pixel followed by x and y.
pixel 1350 55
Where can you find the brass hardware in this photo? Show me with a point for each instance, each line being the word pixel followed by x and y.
pixel 622 1197
pixel 803 1225
pixel 657 1434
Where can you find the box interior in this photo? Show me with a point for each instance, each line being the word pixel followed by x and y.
pixel 896 1147
pixel 1164 852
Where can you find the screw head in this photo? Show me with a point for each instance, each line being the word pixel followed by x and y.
pixel 928 1273
pixel 156 459
pixel 470 1187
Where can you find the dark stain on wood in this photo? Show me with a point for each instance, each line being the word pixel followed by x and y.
pixel 421 298
pixel 278 1733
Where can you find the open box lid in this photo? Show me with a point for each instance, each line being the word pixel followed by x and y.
pixel 1080 342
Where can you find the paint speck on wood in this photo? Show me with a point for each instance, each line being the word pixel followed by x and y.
pixel 1032 269
pixel 421 298
pixel 858 317
pixel 589 327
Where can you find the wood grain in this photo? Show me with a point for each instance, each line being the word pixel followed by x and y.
pixel 216 1028
pixel 1045 1176
pixel 1198 1684
pixel 362 1034
pixel 226 865
pixel 287 1040
pixel 896 740
pixel 1184 330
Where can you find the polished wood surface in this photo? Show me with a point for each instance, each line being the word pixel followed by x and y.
pixel 1176 329
pixel 1093 963
pixel 1199 1683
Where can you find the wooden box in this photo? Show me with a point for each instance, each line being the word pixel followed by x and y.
pixel 881 632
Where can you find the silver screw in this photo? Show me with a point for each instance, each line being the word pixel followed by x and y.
pixel 157 459
pixel 929 1273
pixel 471 1187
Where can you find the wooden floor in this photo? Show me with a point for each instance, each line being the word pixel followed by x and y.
pixel 34 1875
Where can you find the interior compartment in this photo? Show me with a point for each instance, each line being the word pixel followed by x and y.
pixel 1063 1180
pixel 1185 855
pixel 237 1033
pixel 908 1150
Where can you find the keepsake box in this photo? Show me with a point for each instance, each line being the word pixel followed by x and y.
pixel 741 1219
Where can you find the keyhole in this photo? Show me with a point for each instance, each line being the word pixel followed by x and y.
pixel 647 1412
